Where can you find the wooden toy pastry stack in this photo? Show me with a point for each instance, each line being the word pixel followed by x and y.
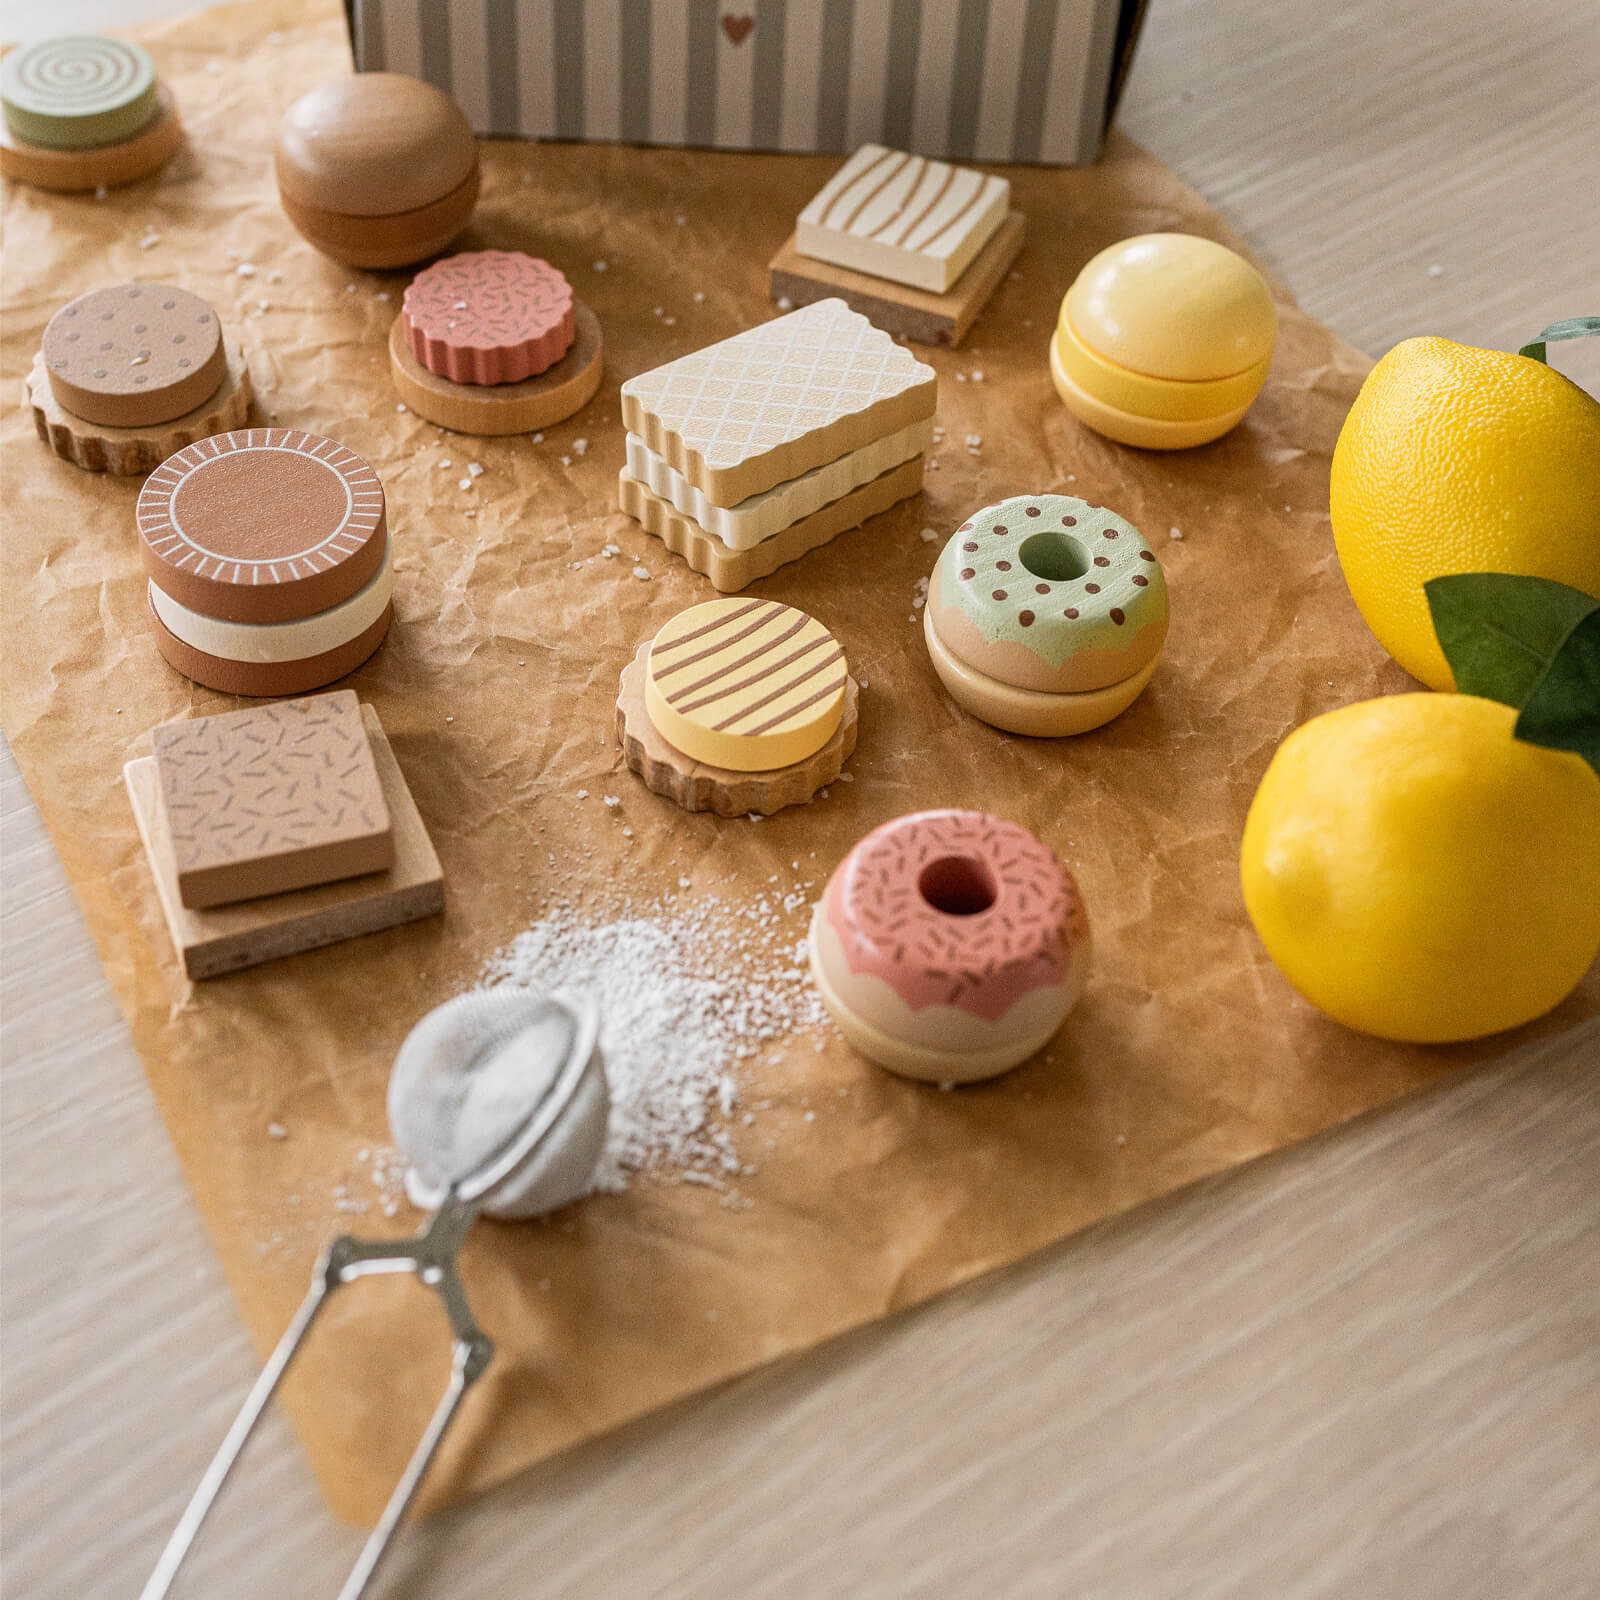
pixel 267 554
pixel 128 374
pixel 918 246
pixel 738 707
pixel 377 170
pixel 279 829
pixel 747 454
pixel 84 112
pixel 494 342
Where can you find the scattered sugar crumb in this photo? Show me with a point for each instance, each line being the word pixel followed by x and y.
pixel 382 294
pixel 1436 271
pixel 683 883
pixel 655 311
pixel 150 241
pixel 276 1130
pixel 977 377
pixel 785 303
pixel 580 447
pixel 474 469
pixel 627 833
pixel 642 574
pixel 1176 534
pixel 444 462
pixel 699 296
pixel 538 438
pixel 612 800
pixel 961 377
pixel 583 794
pixel 245 269
pixel 263 305
pixel 669 322
pixel 401 407
pixel 930 535
pixel 100 191
pixel 274 276
pixel 465 483
pixel 601 266
pixel 566 461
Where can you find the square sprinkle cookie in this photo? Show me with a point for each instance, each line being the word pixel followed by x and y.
pixel 270 799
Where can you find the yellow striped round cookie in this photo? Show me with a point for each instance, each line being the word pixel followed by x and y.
pixel 748 685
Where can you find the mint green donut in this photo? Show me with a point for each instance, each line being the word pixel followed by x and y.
pixel 78 91
pixel 1047 592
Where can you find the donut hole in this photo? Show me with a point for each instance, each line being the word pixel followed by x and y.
pixel 1054 556
pixel 959 886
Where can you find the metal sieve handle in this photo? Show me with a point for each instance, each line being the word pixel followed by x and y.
pixel 431 1255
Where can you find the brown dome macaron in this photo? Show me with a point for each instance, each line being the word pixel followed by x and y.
pixel 378 169
pixel 266 551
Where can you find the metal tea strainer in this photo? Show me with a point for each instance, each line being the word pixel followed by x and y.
pixel 498 1102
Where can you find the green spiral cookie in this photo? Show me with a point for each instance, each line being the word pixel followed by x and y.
pixel 78 92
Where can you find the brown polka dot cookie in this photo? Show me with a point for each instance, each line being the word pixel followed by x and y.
pixel 134 355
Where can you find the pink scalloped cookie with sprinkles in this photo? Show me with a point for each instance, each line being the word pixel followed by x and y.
pixel 950 945
pixel 489 317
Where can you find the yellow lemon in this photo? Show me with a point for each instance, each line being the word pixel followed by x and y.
pixel 1419 874
pixel 1461 460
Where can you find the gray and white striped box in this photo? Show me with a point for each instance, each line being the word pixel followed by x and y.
pixel 987 80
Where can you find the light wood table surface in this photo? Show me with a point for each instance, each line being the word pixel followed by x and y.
pixel 1367 1366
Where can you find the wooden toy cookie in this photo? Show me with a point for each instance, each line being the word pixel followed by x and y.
pixel 738 706
pixel 1163 341
pixel 918 246
pixel 267 555
pixel 1046 615
pixel 378 169
pixel 733 570
pixel 950 945
pixel 903 217
pixel 744 415
pixel 555 394
pixel 215 940
pixel 735 432
pixel 488 316
pixel 270 799
pixel 83 112
pixel 128 452
pixel 134 355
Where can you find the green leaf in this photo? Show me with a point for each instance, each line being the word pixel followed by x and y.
pixel 1563 711
pixel 1572 328
pixel 1500 632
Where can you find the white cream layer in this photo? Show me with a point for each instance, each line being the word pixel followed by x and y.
pixel 268 643
pixel 747 524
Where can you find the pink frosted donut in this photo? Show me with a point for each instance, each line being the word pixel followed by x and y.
pixel 950 945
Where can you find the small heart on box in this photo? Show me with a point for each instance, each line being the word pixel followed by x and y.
pixel 737 28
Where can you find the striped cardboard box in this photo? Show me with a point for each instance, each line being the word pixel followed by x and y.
pixel 987 80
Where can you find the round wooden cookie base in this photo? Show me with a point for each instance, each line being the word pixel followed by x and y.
pixel 270 680
pixel 501 408
pixel 696 787
pixel 385 242
pixel 1034 712
pixel 128 452
pixel 106 166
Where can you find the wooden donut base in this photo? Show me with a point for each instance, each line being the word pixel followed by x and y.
pixel 230 938
pixel 731 570
pixel 1031 711
pixel 502 408
pixel 106 166
pixel 270 680
pixel 127 452
pixel 697 787
pixel 915 1060
pixel 398 240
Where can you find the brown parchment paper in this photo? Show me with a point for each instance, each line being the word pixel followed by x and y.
pixel 1189 1053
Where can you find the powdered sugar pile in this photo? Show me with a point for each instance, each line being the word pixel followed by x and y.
pixel 687 991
